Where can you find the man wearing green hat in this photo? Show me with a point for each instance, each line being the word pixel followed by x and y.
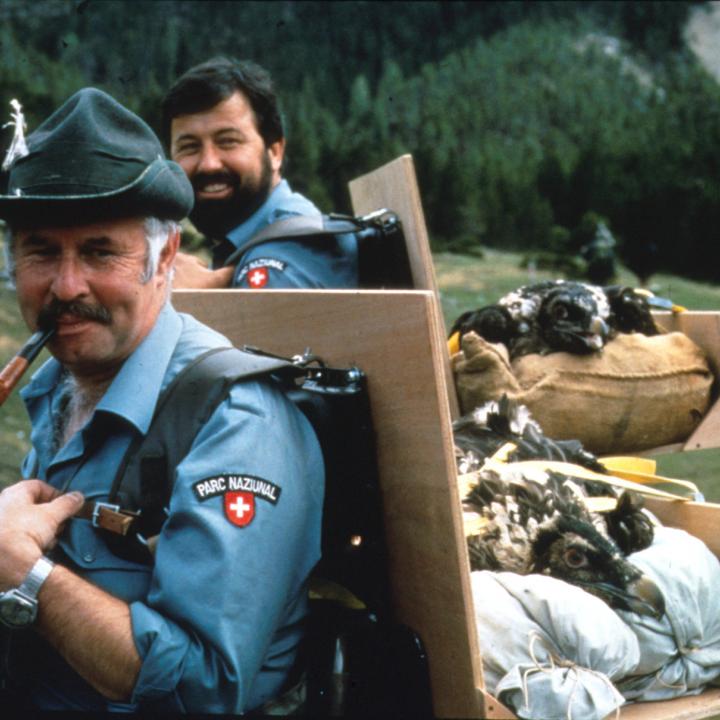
pixel 212 623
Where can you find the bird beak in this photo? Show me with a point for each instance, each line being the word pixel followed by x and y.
pixel 599 327
pixel 597 332
pixel 644 598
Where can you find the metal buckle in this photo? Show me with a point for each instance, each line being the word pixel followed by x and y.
pixel 96 511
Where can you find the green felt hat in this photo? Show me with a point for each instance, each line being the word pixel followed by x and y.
pixel 91 160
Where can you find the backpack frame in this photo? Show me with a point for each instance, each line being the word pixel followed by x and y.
pixel 382 254
pixel 358 660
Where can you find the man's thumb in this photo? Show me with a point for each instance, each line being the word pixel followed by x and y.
pixel 66 505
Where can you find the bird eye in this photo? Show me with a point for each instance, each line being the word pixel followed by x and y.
pixel 574 558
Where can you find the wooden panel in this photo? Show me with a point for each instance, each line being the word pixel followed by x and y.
pixel 706 705
pixel 704 329
pixel 699 519
pixel 392 336
pixel 394 186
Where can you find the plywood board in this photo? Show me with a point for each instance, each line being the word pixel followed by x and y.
pixel 703 328
pixel 699 519
pixel 392 336
pixel 394 186
pixel 706 705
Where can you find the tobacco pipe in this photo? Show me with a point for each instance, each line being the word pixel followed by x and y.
pixel 10 375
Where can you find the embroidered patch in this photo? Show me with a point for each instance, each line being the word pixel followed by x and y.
pixel 239 508
pixel 258 271
pixel 239 494
pixel 258 278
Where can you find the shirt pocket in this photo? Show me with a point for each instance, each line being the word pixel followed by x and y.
pixel 93 560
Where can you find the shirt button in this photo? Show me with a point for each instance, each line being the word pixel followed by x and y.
pixel 88 557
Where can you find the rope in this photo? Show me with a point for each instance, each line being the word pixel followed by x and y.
pixel 554 660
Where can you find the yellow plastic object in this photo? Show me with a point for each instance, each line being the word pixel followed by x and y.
pixel 642 470
pixel 600 504
pixel 627 463
pixel 454 343
pixel 638 482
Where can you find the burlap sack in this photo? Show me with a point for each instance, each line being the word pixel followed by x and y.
pixel 639 392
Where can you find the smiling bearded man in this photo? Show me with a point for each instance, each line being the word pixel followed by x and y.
pixel 223 127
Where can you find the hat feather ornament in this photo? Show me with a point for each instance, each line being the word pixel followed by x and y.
pixel 18 147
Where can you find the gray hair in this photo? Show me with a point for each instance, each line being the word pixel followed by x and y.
pixel 157 233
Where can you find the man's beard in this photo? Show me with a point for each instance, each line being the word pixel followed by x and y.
pixel 215 218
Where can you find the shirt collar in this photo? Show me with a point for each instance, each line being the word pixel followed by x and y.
pixel 281 201
pixel 134 391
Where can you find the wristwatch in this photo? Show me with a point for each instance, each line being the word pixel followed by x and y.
pixel 18 607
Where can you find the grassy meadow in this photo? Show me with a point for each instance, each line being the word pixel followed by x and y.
pixel 466 282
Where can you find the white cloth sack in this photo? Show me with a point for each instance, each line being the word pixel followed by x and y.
pixel 680 654
pixel 550 650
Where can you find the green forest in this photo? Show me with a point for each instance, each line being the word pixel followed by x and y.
pixel 522 117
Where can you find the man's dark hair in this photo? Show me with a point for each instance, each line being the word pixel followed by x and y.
pixel 205 85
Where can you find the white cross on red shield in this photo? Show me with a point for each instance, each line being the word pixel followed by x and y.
pixel 259 277
pixel 239 508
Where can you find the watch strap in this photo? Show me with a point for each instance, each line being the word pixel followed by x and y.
pixel 36 577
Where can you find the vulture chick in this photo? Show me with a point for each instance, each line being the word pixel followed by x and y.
pixel 480 434
pixel 559 316
pixel 540 524
pixel 483 432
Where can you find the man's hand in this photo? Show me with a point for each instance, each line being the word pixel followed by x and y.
pixel 32 514
pixel 88 627
pixel 192 273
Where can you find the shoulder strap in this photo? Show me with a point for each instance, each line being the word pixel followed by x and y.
pixel 145 475
pixel 299 226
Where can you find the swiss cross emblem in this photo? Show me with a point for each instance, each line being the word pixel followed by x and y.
pixel 239 493
pixel 240 508
pixel 258 277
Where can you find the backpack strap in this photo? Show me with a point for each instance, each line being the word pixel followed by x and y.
pixel 383 260
pixel 298 226
pixel 144 480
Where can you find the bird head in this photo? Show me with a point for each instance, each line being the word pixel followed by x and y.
pixel 493 323
pixel 572 318
pixel 572 549
pixel 630 310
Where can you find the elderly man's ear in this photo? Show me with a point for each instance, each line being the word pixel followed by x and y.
pixel 168 253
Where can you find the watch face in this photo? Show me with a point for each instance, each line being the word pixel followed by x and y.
pixel 16 610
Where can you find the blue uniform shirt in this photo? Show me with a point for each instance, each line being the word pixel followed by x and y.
pixel 217 619
pixel 292 263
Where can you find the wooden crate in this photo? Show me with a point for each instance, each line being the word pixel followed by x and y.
pixel 394 186
pixel 392 336
pixel 398 339
pixel 704 329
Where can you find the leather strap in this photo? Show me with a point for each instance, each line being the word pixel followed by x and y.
pixel 108 517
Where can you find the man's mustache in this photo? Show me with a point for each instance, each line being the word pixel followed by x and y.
pixel 200 180
pixel 50 313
